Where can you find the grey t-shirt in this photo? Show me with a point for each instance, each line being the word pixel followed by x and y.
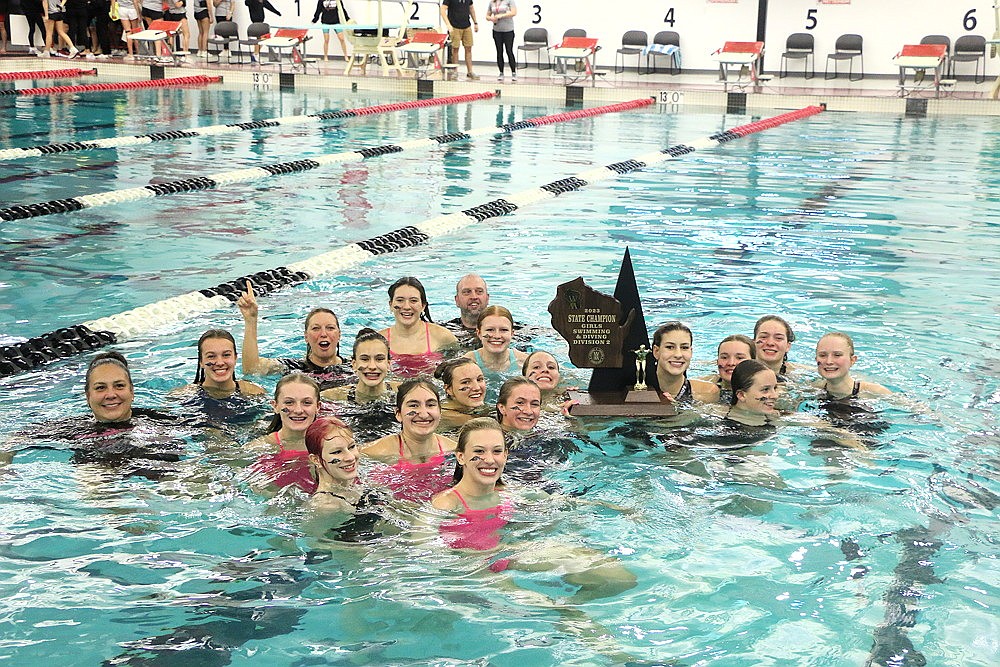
pixel 502 7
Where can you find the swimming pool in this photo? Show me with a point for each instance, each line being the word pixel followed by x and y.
pixel 879 226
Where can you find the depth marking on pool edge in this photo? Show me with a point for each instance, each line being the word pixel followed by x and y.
pixel 212 181
pixel 68 341
pixel 229 128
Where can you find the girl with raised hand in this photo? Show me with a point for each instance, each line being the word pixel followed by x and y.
pixel 834 359
pixel 414 340
pixel 417 455
pixel 672 351
pixel 499 361
pixel 322 360
pixel 465 388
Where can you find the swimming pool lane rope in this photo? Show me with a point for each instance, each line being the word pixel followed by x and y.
pixel 230 128
pixel 70 204
pixel 47 74
pixel 197 79
pixel 69 341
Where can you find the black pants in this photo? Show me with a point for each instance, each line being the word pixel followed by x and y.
pixel 35 21
pixel 76 26
pixel 505 40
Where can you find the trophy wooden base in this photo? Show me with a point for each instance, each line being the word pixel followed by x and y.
pixel 629 403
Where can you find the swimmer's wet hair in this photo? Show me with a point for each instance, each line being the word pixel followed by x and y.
pixel 494 311
pixel 774 318
pixel 664 329
pixel 445 371
pixel 104 358
pixel 366 335
pixel 316 434
pixel 839 334
pixel 411 384
pixel 742 339
pixel 743 376
pixel 527 361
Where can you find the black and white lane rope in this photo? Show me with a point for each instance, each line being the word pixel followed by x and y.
pixel 69 341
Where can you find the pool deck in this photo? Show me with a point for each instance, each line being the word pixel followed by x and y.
pixel 873 94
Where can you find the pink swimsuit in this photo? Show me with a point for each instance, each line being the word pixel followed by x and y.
pixel 286 467
pixel 412 365
pixel 418 482
pixel 476 529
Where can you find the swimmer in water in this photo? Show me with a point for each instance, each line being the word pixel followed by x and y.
pixel 755 393
pixel 334 456
pixel 481 508
pixel 322 334
pixel 416 455
pixel 754 404
pixel 542 368
pixel 465 388
pixel 472 296
pixel 216 374
pixel 296 405
pixel 415 341
pixel 119 434
pixel 371 365
pixel 519 405
pixel 773 337
pixel 499 361
pixel 834 359
pixel 673 344
pixel 731 351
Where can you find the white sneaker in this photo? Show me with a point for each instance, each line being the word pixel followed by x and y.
pixel 500 78
pixel 44 54
pixel 513 77
pixel 32 50
pixel 74 52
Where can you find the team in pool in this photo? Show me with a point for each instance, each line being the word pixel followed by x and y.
pixel 452 417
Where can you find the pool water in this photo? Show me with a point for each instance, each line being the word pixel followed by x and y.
pixel 882 227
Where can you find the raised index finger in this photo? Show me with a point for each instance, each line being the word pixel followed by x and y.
pixel 250 289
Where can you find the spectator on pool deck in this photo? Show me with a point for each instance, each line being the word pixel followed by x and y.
pixel 34 12
pixel 257 8
pixel 460 19
pixel 4 23
pixel 55 25
pixel 176 10
pixel 329 11
pixel 152 10
pixel 128 14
